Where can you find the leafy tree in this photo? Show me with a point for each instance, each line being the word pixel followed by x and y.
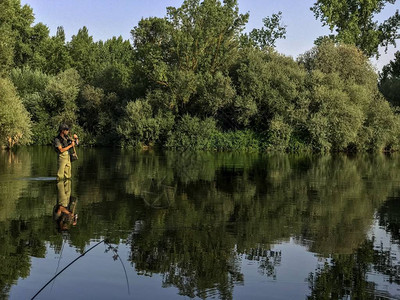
pixel 115 67
pixel 272 31
pixel 6 49
pixel 389 83
pixel 15 124
pixel 187 54
pixel 353 20
pixel 90 100
pixel 15 24
pixel 61 96
pixel 17 20
pixel 57 58
pixel 272 95
pixel 83 52
pixel 39 40
pixel 51 100
pixel 346 110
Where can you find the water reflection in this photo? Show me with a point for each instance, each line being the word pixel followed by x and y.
pixel 195 217
pixel 64 212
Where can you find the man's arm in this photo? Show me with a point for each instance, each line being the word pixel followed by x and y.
pixel 61 149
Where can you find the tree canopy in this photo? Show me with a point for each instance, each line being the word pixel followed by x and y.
pixel 355 23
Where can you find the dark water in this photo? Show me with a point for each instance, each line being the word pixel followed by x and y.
pixel 205 225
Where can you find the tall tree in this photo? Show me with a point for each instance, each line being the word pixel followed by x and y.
pixel 15 30
pixel 354 23
pixel 83 52
pixel 389 83
pixel 272 31
pixel 189 53
pixel 56 53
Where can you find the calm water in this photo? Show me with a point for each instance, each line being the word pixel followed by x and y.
pixel 201 225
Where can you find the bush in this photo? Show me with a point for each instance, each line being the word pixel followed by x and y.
pixel 15 124
pixel 192 133
pixel 140 128
pixel 241 140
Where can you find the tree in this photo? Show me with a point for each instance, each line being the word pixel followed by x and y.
pixel 15 124
pixel 272 31
pixel 353 20
pixel 83 52
pixel 57 58
pixel 6 49
pixel 346 111
pixel 188 54
pixel 15 22
pixel 61 96
pixel 389 83
pixel 116 67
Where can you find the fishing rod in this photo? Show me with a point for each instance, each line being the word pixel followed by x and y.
pixel 55 276
pixel 83 254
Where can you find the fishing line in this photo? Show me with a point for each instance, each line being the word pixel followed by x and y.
pixel 123 266
pixel 58 264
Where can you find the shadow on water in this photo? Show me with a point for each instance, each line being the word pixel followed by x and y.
pixel 194 217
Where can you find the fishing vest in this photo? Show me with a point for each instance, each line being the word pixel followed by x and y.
pixel 59 140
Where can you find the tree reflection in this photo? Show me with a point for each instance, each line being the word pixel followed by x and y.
pixel 345 276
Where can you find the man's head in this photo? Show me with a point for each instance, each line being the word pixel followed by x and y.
pixel 63 127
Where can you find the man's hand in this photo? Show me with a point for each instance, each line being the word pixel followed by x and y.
pixel 73 144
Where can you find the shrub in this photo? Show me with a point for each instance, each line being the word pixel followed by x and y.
pixel 15 124
pixel 192 133
pixel 240 140
pixel 140 128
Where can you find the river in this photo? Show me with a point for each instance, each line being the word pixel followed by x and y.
pixel 169 225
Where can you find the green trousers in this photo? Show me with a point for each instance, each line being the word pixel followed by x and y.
pixel 64 166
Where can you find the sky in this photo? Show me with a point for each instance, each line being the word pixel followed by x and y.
pixel 107 18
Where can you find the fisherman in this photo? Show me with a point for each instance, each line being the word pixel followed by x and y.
pixel 64 145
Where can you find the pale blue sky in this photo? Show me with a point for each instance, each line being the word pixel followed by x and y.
pixel 107 18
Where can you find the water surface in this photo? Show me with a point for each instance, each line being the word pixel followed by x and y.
pixel 201 225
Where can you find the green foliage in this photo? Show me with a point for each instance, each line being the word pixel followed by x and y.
pixel 389 83
pixel 141 128
pixel 192 133
pixel 188 54
pixel 83 52
pixel 271 87
pixel 15 124
pixel 50 100
pixel 355 25
pixel 381 127
pixel 56 53
pixel 239 140
pixel 60 97
pixel 390 88
pixel 195 67
pixel 6 49
pixel 268 35
pixel 90 103
pixel 345 107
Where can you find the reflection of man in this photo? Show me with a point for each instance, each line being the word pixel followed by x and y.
pixel 64 210
pixel 63 145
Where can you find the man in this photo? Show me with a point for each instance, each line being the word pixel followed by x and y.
pixel 63 144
